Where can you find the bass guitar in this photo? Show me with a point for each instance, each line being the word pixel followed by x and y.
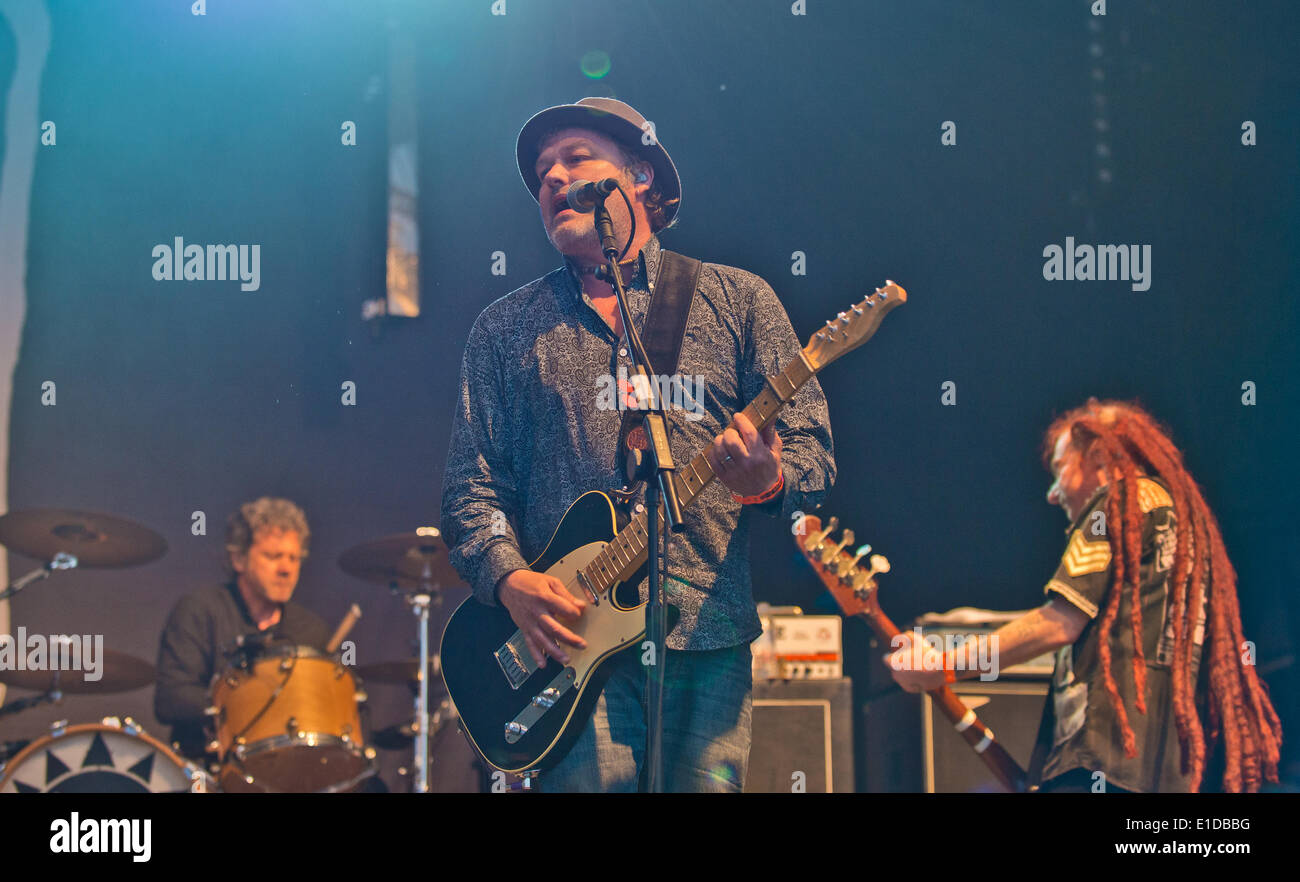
pixel 855 590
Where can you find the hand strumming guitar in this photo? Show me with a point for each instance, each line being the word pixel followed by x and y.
pixel 538 603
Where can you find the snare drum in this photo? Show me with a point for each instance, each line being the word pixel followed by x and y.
pixel 288 721
pixel 115 756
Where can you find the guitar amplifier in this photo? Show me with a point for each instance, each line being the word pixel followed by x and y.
pixel 799 647
pixel 802 737
pixel 1012 710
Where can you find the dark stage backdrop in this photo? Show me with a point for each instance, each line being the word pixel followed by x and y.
pixel 817 133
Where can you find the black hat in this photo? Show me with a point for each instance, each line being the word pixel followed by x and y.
pixel 609 117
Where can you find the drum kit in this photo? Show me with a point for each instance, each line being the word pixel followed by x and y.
pixel 282 718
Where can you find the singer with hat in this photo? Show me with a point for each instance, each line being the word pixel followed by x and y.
pixel 533 431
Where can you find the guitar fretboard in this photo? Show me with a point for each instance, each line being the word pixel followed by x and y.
pixel 629 549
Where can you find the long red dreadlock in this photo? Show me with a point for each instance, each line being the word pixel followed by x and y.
pixel 1125 439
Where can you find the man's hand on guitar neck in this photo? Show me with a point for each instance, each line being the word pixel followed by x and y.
pixel 747 462
pixel 538 603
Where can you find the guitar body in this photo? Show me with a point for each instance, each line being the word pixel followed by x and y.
pixel 487 668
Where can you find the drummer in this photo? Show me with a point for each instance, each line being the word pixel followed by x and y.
pixel 266 541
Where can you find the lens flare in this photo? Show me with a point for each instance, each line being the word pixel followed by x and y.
pixel 595 64
pixel 724 773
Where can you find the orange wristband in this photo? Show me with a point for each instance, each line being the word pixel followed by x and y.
pixel 765 495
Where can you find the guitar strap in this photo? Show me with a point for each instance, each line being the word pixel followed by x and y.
pixel 661 334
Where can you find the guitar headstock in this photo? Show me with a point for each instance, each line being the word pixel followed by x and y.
pixel 850 580
pixel 849 330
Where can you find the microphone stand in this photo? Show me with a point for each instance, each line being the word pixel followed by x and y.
pixel 661 462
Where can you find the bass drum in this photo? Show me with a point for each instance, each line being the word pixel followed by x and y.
pixel 107 757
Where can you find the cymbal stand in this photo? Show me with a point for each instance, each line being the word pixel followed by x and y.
pixel 53 696
pixel 61 561
pixel 420 603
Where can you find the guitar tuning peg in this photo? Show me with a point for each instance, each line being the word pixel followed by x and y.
pixel 878 563
pixel 817 541
pixel 830 554
pixel 864 550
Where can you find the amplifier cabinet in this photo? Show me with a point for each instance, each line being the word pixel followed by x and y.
pixel 1011 709
pixel 802 737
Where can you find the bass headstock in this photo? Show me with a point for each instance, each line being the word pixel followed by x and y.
pixel 849 330
pixel 840 566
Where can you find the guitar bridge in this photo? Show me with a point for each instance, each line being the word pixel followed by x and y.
pixel 516 661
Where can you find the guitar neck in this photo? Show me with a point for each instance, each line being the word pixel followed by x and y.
pixel 629 549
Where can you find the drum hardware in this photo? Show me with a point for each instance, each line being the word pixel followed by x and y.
pixel 60 561
pixel 70 539
pixel 288 720
pixel 54 696
pixel 400 736
pixel 114 755
pixel 11 748
pixel 417 566
pixel 119 672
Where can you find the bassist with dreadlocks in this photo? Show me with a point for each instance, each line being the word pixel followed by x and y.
pixel 1142 613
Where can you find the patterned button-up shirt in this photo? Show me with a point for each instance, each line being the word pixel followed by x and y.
pixel 536 426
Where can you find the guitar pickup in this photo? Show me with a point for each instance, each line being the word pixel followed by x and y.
pixel 515 660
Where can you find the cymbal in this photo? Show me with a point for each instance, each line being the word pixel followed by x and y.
pixel 409 561
pixel 97 540
pixel 118 672
pixel 403 671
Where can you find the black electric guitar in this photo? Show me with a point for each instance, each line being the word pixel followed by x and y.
pixel 521 716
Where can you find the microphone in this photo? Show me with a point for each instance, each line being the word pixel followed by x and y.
pixel 584 195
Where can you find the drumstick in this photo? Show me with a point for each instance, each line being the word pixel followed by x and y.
pixel 354 613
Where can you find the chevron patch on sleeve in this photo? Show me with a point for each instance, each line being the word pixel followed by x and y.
pixel 1083 557
pixel 1152 496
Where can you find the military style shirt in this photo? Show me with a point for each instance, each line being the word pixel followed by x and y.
pixel 537 423
pixel 1080 728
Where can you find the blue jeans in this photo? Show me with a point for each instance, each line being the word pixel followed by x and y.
pixel 707 717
